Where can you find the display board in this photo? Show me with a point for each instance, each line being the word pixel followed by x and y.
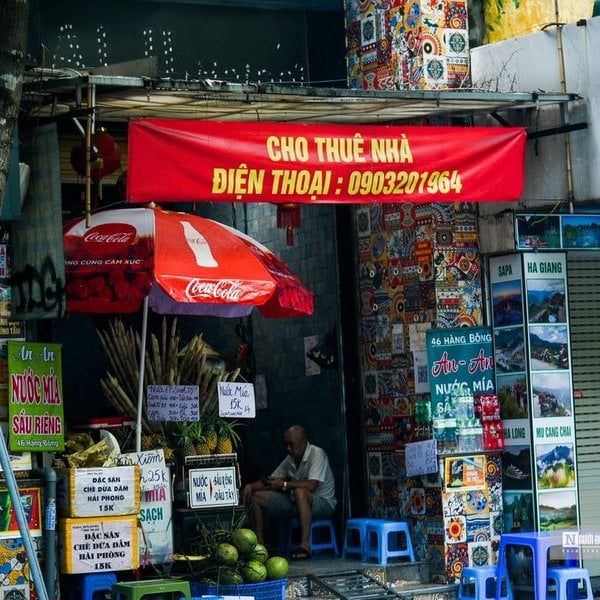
pixel 532 354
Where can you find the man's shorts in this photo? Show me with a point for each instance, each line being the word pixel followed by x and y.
pixel 282 506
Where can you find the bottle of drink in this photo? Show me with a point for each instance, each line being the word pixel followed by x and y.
pixel 199 246
pixel 477 430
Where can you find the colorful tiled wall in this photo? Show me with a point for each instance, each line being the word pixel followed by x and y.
pixel 419 267
pixel 407 44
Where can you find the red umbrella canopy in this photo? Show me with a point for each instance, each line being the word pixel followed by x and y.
pixel 185 264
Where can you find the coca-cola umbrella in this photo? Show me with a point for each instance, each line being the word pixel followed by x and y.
pixel 176 263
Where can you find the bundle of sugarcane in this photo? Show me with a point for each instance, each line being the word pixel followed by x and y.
pixel 165 364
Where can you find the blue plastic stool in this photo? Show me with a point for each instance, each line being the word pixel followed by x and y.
pixel 569 583
pixel 542 545
pixel 322 535
pixel 382 541
pixel 479 583
pixel 355 535
pixel 90 583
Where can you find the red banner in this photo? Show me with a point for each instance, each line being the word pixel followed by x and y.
pixel 195 161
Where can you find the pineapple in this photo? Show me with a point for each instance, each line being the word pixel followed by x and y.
pixel 227 436
pixel 147 442
pixel 224 446
pixel 184 438
pixel 202 447
pixel 211 439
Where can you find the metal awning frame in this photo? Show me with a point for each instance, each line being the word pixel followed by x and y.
pixel 122 98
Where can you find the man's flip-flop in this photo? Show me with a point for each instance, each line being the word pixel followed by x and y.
pixel 302 554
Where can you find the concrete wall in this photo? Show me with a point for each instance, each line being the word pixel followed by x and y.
pixel 531 63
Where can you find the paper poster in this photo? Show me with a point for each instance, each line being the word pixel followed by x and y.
pixel 464 473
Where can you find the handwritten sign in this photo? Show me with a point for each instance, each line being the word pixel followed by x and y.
pixel 236 400
pixel 156 534
pixel 213 487
pixel 152 465
pixel 421 458
pixel 173 403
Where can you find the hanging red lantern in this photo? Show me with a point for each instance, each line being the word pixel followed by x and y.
pixel 105 156
pixel 288 217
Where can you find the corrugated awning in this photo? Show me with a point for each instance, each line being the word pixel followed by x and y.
pixel 119 98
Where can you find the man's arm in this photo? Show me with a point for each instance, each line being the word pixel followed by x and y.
pixel 250 488
pixel 285 485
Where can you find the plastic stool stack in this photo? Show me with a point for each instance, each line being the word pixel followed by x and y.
pixel 355 535
pixel 135 590
pixel 569 583
pixel 322 535
pixel 90 583
pixel 382 541
pixel 479 583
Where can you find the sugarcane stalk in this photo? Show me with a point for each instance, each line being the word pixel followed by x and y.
pixel 105 340
pixel 113 398
pixel 156 364
pixel 163 361
pixel 149 370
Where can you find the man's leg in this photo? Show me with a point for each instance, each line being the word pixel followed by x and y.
pixel 303 499
pixel 258 503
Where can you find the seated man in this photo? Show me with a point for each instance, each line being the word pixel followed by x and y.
pixel 301 486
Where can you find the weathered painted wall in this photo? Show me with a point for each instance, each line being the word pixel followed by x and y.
pixel 530 63
pixel 512 18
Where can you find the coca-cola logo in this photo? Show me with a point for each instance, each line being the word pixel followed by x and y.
pixel 224 290
pixel 110 234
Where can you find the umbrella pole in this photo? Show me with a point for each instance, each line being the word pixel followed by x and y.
pixel 140 403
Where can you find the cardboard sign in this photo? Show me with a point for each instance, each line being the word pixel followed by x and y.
pixel 93 545
pixel 213 487
pixel 173 403
pixel 421 458
pixel 236 400
pixel 98 492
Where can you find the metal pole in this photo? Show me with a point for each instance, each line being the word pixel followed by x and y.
pixel 15 497
pixel 140 402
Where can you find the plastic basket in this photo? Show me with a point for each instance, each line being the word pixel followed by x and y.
pixel 268 590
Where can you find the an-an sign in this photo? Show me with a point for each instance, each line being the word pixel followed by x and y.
pixel 421 458
pixel 312 163
pixel 236 400
pixel 173 403
pixel 35 410
pixel 459 358
pixel 213 487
